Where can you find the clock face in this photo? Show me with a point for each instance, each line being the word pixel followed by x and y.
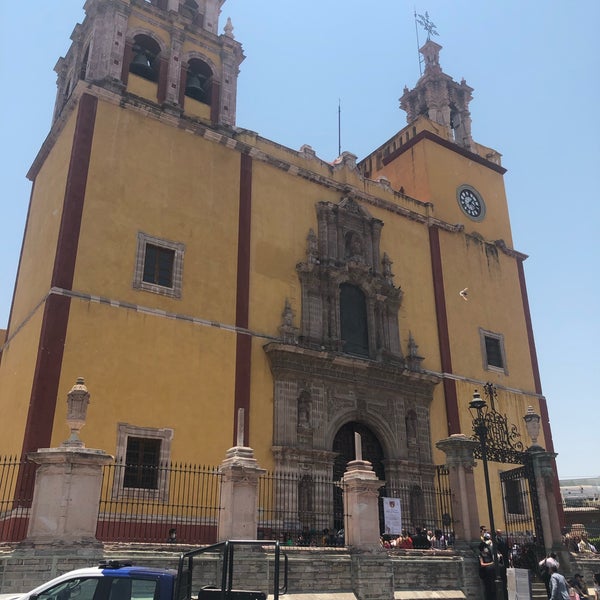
pixel 471 203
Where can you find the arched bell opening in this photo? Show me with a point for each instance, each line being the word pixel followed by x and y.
pixel 344 449
pixel 198 83
pixel 84 64
pixel 191 10
pixel 145 58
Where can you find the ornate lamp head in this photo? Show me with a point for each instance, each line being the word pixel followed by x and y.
pixel 532 424
pixel 477 406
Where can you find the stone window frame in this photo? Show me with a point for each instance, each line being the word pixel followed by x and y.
pixel 124 432
pixel 175 291
pixel 483 334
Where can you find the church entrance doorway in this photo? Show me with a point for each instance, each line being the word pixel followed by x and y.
pixel 343 447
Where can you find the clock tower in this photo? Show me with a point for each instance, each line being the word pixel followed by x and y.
pixel 434 158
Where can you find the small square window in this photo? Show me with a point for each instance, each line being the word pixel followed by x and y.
pixel 142 462
pixel 143 455
pixel 158 266
pixel 492 349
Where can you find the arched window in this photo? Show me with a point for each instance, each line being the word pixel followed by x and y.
pixel 198 83
pixel 353 319
pixel 144 62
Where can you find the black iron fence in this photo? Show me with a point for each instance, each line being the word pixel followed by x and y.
pixel 424 505
pixel 177 502
pixel 301 510
pixel 16 493
pixel 165 503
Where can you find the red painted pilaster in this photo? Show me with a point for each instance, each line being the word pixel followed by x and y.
pixel 442 326
pixel 244 342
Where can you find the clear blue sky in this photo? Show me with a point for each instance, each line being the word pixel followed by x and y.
pixel 535 68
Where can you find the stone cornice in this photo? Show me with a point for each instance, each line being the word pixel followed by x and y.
pixel 428 135
pixel 227 136
pixel 286 358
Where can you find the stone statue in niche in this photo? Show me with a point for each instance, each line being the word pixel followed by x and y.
pixel 354 246
pixel 387 268
pixel 411 425
pixel 304 410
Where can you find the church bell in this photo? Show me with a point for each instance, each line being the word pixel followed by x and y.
pixel 194 86
pixel 141 65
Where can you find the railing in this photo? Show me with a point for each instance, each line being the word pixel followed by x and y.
pixel 168 503
pixel 301 510
pixel 425 505
pixel 15 477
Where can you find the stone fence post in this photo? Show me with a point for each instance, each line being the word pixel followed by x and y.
pixel 68 483
pixel 542 463
pixel 238 512
pixel 361 505
pixel 459 459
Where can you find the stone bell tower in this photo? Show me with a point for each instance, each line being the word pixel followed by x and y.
pixel 168 52
pixel 438 97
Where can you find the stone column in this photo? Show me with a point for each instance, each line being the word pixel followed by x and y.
pixel 238 514
pixel 542 463
pixel 459 459
pixel 68 483
pixel 361 506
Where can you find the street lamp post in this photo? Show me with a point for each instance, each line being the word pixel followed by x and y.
pixel 478 409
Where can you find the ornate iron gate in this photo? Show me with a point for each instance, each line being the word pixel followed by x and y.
pixel 519 491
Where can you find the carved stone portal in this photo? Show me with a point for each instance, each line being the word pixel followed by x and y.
pixel 346 364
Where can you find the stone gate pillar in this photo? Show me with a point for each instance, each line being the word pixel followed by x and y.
pixel 361 505
pixel 542 464
pixel 238 514
pixel 459 459
pixel 68 483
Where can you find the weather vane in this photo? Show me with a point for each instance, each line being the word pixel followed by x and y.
pixel 426 24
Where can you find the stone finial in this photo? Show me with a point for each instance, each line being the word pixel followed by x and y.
pixel 78 399
pixel 288 332
pixel 413 359
pixel 387 268
pixel 229 28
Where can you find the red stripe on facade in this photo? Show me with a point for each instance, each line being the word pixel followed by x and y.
pixel 428 135
pixel 44 391
pixel 442 326
pixel 68 236
pixel 244 342
pixel 532 353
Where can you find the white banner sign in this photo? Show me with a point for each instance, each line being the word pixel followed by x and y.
pixel 392 516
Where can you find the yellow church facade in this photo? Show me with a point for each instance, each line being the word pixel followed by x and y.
pixel 188 268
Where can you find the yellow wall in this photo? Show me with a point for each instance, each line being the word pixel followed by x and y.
pixel 153 371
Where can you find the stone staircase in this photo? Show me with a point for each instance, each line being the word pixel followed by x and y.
pixel 538 590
